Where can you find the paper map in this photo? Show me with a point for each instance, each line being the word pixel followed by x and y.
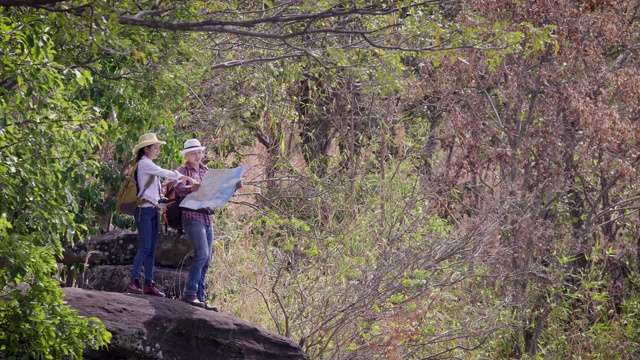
pixel 216 188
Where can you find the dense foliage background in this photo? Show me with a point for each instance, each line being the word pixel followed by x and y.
pixel 426 179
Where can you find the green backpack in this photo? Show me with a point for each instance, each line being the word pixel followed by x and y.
pixel 128 199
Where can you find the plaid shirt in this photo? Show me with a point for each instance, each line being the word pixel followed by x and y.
pixel 182 190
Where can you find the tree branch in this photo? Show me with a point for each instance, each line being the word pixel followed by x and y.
pixel 234 63
pixel 28 3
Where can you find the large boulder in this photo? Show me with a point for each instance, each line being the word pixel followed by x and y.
pixel 119 247
pixel 148 327
pixel 115 278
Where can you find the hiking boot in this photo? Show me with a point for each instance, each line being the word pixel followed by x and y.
pixel 134 287
pixel 192 300
pixel 150 289
pixel 207 306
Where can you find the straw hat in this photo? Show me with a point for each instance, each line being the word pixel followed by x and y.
pixel 192 145
pixel 145 140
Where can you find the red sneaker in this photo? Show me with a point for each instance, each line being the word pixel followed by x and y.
pixel 150 289
pixel 134 287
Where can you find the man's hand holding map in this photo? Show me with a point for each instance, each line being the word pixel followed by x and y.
pixel 216 188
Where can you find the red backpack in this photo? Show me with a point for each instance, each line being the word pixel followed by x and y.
pixel 172 212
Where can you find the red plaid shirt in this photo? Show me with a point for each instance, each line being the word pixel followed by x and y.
pixel 182 190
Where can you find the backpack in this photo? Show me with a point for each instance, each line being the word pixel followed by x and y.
pixel 128 199
pixel 172 212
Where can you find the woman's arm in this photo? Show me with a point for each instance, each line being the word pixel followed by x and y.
pixel 182 188
pixel 147 166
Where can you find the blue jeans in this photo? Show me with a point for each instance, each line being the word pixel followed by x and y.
pixel 147 222
pixel 201 237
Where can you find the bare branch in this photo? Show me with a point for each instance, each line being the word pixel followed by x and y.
pixel 335 12
pixel 234 63
pixel 28 3
pixel 151 12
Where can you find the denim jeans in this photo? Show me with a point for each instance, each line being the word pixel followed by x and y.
pixel 201 237
pixel 147 221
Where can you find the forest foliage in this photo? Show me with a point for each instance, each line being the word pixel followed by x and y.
pixel 434 179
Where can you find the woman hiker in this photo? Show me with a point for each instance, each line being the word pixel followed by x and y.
pixel 146 215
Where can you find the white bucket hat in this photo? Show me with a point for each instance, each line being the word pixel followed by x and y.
pixel 145 140
pixel 192 145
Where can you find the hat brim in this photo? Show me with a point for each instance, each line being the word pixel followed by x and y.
pixel 184 152
pixel 145 144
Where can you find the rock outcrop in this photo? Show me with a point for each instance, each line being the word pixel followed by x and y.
pixel 119 247
pixel 104 262
pixel 148 327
